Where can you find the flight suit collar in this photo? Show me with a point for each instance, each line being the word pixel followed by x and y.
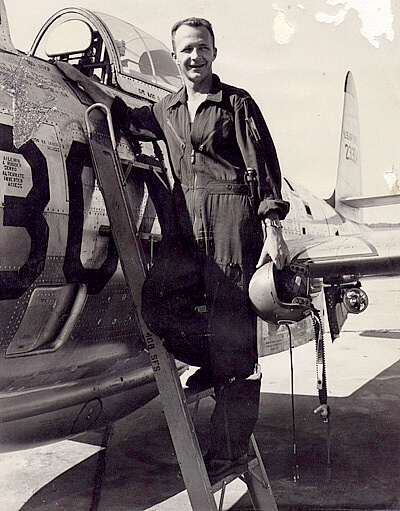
pixel 181 96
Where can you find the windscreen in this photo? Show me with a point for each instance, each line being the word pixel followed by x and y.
pixel 141 54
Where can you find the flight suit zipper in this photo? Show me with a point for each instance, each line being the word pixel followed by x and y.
pixel 178 137
pixel 194 193
pixel 182 144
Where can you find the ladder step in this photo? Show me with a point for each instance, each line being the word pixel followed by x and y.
pixel 231 477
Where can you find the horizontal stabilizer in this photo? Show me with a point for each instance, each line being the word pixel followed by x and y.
pixel 370 202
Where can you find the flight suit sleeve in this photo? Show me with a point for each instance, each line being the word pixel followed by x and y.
pixel 135 122
pixel 258 152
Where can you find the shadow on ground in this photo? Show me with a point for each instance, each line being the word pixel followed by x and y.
pixel 141 471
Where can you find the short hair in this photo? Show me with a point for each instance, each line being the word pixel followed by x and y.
pixel 192 22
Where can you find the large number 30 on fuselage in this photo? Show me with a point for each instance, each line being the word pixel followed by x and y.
pixel 68 326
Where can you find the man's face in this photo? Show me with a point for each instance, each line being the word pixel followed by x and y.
pixel 194 52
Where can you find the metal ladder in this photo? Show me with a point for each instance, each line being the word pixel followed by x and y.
pixel 112 182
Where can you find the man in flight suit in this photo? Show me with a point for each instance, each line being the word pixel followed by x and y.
pixel 226 185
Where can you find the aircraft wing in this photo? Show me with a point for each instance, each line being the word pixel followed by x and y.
pixel 350 257
pixel 340 261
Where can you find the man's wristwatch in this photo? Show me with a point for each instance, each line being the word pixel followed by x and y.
pixel 273 223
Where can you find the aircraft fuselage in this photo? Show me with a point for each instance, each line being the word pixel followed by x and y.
pixel 72 355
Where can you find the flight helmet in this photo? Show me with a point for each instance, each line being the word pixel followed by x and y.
pixel 281 296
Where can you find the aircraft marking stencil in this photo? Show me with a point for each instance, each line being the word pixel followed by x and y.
pixel 16 175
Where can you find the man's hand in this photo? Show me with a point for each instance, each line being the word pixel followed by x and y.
pixel 88 85
pixel 274 249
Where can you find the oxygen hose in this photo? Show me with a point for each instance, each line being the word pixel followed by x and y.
pixel 323 408
pixel 296 475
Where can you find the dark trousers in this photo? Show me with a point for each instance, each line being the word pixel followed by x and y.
pixel 234 417
pixel 222 341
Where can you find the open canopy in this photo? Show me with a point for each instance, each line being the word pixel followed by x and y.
pixel 111 50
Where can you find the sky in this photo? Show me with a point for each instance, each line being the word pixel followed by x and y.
pixel 292 58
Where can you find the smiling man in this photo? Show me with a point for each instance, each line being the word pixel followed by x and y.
pixel 226 185
pixel 194 52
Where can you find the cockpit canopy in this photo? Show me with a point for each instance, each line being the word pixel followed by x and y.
pixel 112 51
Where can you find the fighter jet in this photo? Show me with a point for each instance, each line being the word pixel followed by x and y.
pixel 73 357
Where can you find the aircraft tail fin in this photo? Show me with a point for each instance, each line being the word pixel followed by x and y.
pixel 348 181
pixel 347 197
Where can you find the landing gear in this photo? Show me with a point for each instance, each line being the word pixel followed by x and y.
pixel 342 299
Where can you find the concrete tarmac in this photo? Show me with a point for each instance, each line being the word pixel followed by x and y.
pixel 138 470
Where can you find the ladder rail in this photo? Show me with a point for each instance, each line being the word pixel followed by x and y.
pixel 108 115
pixel 128 245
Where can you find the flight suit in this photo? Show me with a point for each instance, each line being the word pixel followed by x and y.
pixel 209 254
